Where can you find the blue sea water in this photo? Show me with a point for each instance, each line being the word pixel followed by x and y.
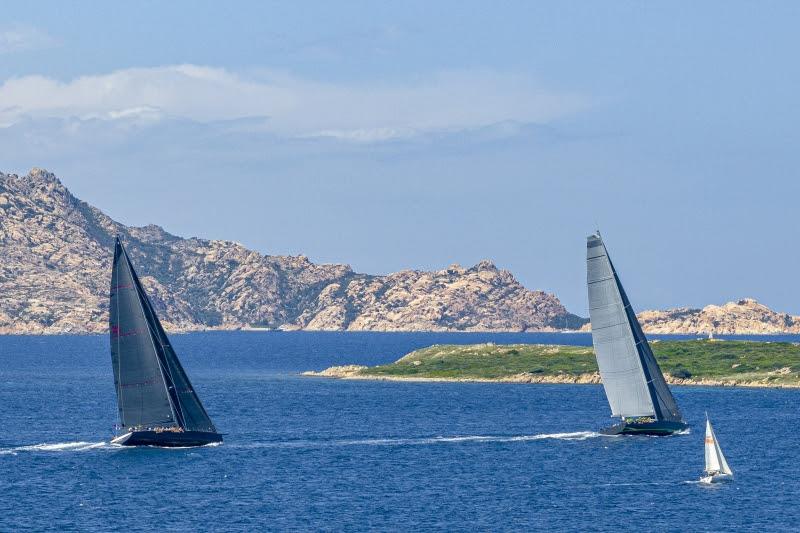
pixel 307 454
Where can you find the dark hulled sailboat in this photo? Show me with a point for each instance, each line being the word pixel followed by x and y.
pixel 157 403
pixel 634 385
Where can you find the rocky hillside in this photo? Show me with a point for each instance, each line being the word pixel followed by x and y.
pixel 55 255
pixel 745 316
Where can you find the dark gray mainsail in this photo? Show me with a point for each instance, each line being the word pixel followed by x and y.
pixel 153 390
pixel 632 379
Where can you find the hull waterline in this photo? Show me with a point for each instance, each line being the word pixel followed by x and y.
pixel 715 478
pixel 168 439
pixel 658 428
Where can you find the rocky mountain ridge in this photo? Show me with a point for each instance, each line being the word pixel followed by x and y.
pixel 745 316
pixel 55 254
pixel 742 317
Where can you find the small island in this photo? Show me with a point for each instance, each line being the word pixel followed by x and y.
pixel 695 362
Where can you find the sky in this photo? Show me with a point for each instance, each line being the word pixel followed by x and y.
pixel 397 135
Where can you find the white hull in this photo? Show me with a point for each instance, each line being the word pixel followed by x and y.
pixel 715 478
pixel 121 439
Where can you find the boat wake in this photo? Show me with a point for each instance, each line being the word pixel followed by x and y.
pixel 579 435
pixel 424 441
pixel 641 484
pixel 79 446
pixel 82 446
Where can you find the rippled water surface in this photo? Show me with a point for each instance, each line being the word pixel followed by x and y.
pixel 317 454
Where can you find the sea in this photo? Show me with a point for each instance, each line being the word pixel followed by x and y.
pixel 316 454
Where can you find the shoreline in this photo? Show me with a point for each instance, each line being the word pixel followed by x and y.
pixel 352 372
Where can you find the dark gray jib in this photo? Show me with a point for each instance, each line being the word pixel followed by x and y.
pixel 153 390
pixel 632 379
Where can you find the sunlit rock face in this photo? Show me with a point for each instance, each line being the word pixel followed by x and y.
pixel 743 317
pixel 55 257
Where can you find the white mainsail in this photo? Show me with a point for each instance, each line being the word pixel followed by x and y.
pixel 715 461
pixel 614 344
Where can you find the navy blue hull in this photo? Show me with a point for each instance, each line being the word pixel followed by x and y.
pixel 657 428
pixel 168 439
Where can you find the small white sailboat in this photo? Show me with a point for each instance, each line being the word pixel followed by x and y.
pixel 717 468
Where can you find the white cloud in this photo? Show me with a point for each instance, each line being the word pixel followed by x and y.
pixel 292 107
pixel 18 38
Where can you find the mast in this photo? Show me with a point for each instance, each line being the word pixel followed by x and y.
pixel 138 340
pixel 632 379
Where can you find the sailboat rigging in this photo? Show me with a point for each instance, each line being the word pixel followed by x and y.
pixel 157 403
pixel 633 382
pixel 717 468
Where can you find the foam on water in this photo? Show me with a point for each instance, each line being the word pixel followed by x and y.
pixel 79 446
pixel 423 441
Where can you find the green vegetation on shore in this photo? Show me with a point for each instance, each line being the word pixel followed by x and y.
pixel 735 362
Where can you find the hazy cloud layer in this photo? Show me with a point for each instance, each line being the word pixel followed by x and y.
pixel 18 38
pixel 288 105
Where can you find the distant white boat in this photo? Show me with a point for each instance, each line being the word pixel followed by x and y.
pixel 717 468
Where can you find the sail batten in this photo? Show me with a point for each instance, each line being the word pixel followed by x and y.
pixel 153 390
pixel 633 382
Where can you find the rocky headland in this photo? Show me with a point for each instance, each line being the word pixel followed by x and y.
pixel 55 255
pixel 745 316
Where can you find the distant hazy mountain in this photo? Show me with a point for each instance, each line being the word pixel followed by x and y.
pixel 55 256
pixel 745 316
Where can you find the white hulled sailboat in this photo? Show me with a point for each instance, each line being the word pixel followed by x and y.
pixel 717 468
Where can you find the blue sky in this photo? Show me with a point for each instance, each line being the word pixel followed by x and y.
pixel 419 134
